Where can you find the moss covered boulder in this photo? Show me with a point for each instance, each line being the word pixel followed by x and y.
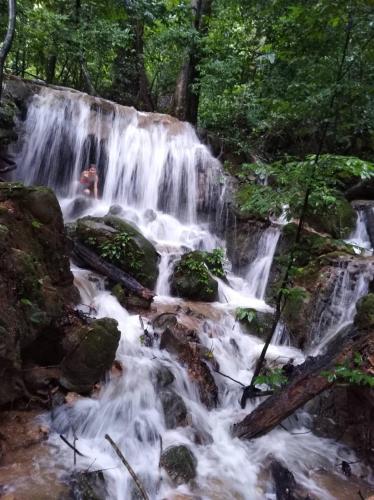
pixel 364 319
pixel 180 464
pixel 339 221
pixel 36 284
pixel 89 352
pixel 121 244
pixel 193 279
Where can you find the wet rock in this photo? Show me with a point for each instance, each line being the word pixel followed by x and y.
pixel 260 326
pixel 87 486
pixel 286 487
pixel 164 377
pixel 180 464
pixel 191 279
pixel 242 239
pixel 364 319
pixel 163 321
pixel 339 223
pixel 129 300
pixel 90 351
pixel 175 410
pixel 189 354
pixel 150 215
pixel 36 284
pixel 120 243
pixel 40 378
pixel 115 210
pixel 78 206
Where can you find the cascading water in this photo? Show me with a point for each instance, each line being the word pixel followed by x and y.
pixel 162 178
pixel 351 282
pixel 257 276
pixel 359 236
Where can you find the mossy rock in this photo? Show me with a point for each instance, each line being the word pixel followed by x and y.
pixel 122 245
pixel 364 319
pixel 89 352
pixel 180 464
pixel 191 279
pixel 260 325
pixel 339 221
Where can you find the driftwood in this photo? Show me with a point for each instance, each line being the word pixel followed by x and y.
pixel 92 260
pixel 306 383
pixel 128 467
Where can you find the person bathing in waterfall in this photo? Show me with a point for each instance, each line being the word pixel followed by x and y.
pixel 89 182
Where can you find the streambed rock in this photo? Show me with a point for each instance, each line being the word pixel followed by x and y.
pixel 121 244
pixel 180 464
pixel 36 284
pixel 195 357
pixel 90 351
pixel 192 279
pixel 175 410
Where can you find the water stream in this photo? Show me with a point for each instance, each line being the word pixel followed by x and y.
pixel 167 183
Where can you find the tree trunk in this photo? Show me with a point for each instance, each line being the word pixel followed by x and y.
pixel 186 97
pixel 92 260
pixel 5 48
pixel 305 385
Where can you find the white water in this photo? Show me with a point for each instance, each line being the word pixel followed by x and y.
pixel 359 236
pixel 351 284
pixel 257 276
pixel 154 162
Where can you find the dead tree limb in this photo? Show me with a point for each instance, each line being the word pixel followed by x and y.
pixel 128 467
pixel 304 386
pixel 97 263
pixel 76 452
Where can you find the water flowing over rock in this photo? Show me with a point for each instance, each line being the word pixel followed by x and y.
pixel 145 160
pixel 181 366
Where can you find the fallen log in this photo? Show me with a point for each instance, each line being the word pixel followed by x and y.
pixel 306 383
pixel 97 263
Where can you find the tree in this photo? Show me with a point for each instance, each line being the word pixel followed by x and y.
pixel 186 96
pixel 5 48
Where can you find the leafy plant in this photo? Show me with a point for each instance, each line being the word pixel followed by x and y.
pixel 215 260
pixel 246 314
pixel 119 248
pixel 352 374
pixel 272 378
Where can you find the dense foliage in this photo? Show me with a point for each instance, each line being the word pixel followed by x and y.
pixel 264 71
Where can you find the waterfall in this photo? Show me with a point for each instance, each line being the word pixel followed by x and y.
pixel 257 276
pixel 163 180
pixel 145 160
pixel 360 237
pixel 337 309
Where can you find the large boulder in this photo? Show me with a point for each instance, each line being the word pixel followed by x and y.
pixel 36 284
pixel 89 352
pixel 338 222
pixel 192 279
pixel 180 464
pixel 120 243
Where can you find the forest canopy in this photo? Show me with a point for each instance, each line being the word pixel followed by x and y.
pixel 257 74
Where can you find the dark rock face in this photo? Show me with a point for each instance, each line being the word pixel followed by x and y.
pixel 242 239
pixel 175 410
pixel 120 243
pixel 286 487
pixel 191 279
pixel 180 464
pixel 346 414
pixel 90 351
pixel 36 284
pixel 87 486
pixel 364 319
pixel 191 354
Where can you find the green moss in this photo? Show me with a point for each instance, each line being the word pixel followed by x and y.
pixel 192 278
pixel 121 244
pixel 364 319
